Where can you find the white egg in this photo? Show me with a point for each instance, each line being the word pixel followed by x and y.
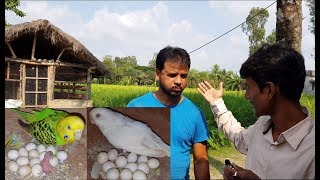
pixel 41 156
pixel 132 166
pixel 37 170
pixel 24 170
pixel 41 148
pixel 22 161
pixel 102 157
pixel 113 173
pixel 139 175
pixel 108 165
pixel 23 152
pixel 121 161
pixel 143 159
pixel 31 146
pixel 54 161
pixel 52 149
pixel 13 166
pixel 144 167
pixel 62 155
pixel 132 157
pixel 153 163
pixel 112 154
pixel 13 154
pixel 126 174
pixel 33 153
pixel 34 161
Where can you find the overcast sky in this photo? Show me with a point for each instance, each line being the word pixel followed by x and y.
pixel 142 28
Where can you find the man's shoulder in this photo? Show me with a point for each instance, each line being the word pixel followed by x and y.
pixel 141 99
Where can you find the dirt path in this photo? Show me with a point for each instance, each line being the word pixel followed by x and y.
pixel 216 161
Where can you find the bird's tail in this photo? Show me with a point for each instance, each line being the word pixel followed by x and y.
pixel 24 125
pixel 166 149
pixel 25 115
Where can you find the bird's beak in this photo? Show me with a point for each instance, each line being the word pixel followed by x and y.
pixel 77 134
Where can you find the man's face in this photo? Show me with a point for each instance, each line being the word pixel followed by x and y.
pixel 258 99
pixel 173 78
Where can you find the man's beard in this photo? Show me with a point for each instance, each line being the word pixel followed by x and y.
pixel 167 92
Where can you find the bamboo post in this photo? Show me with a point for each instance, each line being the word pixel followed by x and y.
pixel 34 46
pixel 11 50
pixel 58 58
pixel 23 84
pixel 89 77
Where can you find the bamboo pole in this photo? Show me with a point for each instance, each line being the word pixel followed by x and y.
pixel 11 50
pixel 34 46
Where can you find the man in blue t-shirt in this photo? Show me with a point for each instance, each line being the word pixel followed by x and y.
pixel 188 128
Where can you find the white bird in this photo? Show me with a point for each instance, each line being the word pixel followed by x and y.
pixel 128 134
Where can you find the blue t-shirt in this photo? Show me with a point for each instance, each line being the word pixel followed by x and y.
pixel 187 127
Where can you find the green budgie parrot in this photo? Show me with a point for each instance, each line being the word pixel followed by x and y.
pixel 52 127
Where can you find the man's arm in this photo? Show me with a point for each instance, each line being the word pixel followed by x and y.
pixel 200 160
pixel 225 120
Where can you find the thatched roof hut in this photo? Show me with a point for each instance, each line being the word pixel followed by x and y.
pixel 74 51
pixel 39 51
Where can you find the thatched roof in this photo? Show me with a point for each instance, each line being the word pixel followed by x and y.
pixel 59 39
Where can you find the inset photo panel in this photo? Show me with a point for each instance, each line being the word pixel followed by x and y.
pixel 128 143
pixel 46 143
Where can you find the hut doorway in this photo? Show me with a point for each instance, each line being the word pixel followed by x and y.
pixel 36 85
pixel 27 82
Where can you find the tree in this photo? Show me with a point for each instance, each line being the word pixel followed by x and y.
pixel 110 66
pixel 289 23
pixel 193 78
pixel 152 62
pixel 311 5
pixel 129 61
pixel 271 39
pixel 11 5
pixel 233 82
pixel 254 28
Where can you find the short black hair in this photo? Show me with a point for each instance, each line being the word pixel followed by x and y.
pixel 174 54
pixel 279 64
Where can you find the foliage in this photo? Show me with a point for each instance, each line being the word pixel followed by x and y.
pixel 11 5
pixel 126 71
pixel 218 139
pixel 152 62
pixel 311 5
pixel 254 29
pixel 271 39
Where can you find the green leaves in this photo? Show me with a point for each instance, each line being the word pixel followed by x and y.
pixel 11 5
pixel 311 5
pixel 254 29
pixel 217 139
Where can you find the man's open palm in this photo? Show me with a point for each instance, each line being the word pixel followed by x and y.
pixel 208 92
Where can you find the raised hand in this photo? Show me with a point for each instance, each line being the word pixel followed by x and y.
pixel 208 92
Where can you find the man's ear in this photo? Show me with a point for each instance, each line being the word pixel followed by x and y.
pixel 271 89
pixel 157 74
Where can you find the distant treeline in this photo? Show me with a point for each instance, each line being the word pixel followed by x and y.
pixel 126 71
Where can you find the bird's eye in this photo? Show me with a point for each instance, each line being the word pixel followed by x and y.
pixel 66 137
pixel 98 115
pixel 69 127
